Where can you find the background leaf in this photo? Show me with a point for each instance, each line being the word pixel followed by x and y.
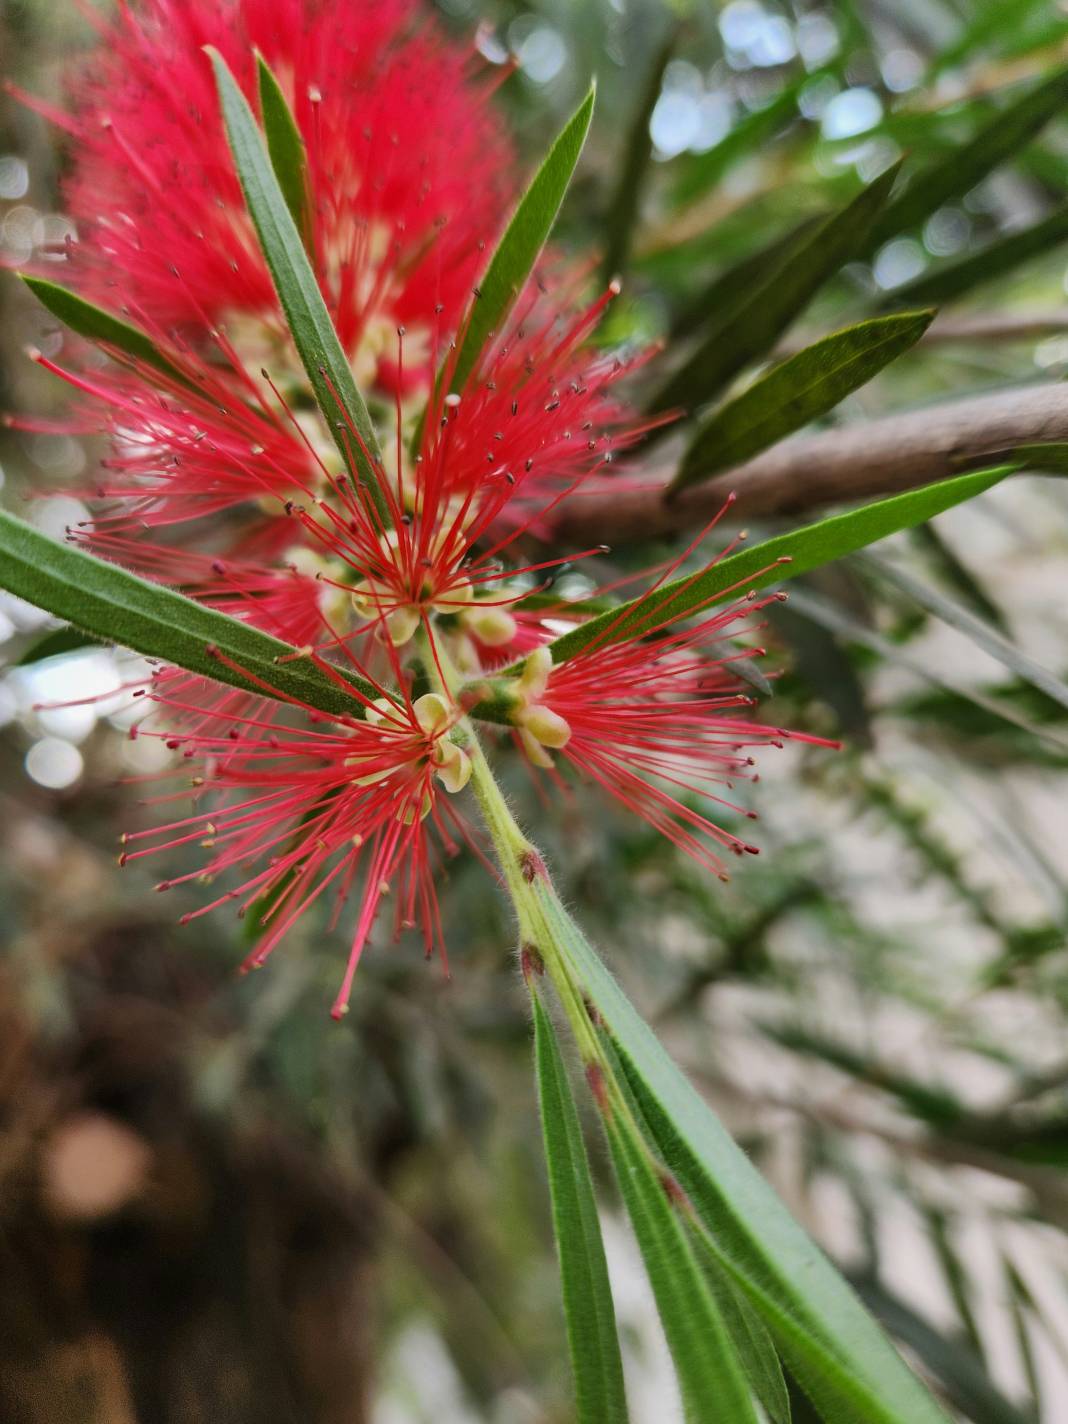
pixel 591 1322
pixel 779 559
pixel 118 607
pixel 625 206
pixel 328 368
pixel 751 323
pixel 991 642
pixel 951 280
pixel 285 146
pixel 522 241
pixel 998 140
pixel 796 392
pixel 56 644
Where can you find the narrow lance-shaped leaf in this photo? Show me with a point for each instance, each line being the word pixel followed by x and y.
pixel 524 237
pixel 984 637
pixel 285 146
pixel 781 558
pixel 298 291
pixel 797 391
pixel 961 169
pixel 116 606
pixel 119 337
pixel 957 1370
pixel 833 617
pixel 749 326
pixel 1051 459
pixel 813 1357
pixel 713 300
pixel 710 1375
pixel 56 644
pixel 623 210
pixel 985 33
pixel 780 1264
pixel 752 1344
pixel 955 279
pixel 751 1340
pixel 587 1294
pixel 955 1275
pixel 953 571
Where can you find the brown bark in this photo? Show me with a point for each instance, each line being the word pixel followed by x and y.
pixel 855 462
pixel 161 1264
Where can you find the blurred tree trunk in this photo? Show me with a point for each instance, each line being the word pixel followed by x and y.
pixel 160 1265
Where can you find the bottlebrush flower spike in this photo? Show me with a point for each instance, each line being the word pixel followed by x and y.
pixel 348 808
pixel 226 480
pixel 409 171
pixel 654 716
pixel 537 419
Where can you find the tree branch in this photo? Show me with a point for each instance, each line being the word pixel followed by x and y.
pixel 854 462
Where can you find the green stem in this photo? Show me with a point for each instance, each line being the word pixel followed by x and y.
pixel 525 874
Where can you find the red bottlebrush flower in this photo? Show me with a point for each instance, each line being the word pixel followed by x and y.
pixel 409 171
pixel 229 484
pixel 654 716
pixel 536 419
pixel 341 808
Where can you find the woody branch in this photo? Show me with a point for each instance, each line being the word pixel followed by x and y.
pixel 856 462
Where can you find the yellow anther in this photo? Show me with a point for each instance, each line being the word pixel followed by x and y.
pixel 534 750
pixel 452 766
pixel 432 712
pixel 379 711
pixel 494 627
pixel 534 678
pixel 545 726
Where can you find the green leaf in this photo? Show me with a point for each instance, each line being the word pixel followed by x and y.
pixel 953 571
pixel 955 1274
pixel 965 166
pixel 710 1375
pixel 817 1323
pixel 285 146
pixel 298 291
pixel 623 209
pixel 777 560
pixel 986 33
pixel 984 637
pixel 751 1340
pixel 819 660
pixel 711 300
pixel 591 1322
pixel 55 645
pixel 955 279
pixel 749 326
pixel 832 616
pixel 1050 459
pixel 958 1372
pixel 523 239
pixel 116 606
pixel 119 338
pixel 796 392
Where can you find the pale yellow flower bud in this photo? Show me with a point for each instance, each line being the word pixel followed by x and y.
pixel 493 626
pixel 453 767
pixel 432 712
pixel 534 678
pixel 534 750
pixel 402 625
pixel 545 726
